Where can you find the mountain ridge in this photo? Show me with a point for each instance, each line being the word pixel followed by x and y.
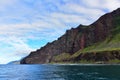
pixel 77 40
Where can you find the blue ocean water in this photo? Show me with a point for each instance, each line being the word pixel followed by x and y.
pixel 59 72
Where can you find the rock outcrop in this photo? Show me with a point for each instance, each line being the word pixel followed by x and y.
pixel 76 39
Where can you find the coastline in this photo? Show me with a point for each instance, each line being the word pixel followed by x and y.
pixel 59 64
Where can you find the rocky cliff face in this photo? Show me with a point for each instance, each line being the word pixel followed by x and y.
pixel 75 39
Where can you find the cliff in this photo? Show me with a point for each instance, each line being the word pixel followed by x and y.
pixel 80 43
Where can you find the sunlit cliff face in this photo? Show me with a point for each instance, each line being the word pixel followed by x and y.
pixel 26 25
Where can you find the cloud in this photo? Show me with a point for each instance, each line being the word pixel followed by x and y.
pixel 28 23
pixel 102 4
pixel 13 48
pixel 6 3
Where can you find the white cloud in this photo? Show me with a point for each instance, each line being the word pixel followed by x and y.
pixel 112 4
pixel 15 44
pixel 6 3
pixel 13 48
pixel 43 18
pixel 86 15
pixel 102 4
pixel 69 18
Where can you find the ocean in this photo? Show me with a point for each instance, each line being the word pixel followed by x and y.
pixel 60 72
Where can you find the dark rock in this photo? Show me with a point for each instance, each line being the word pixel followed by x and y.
pixel 99 56
pixel 76 39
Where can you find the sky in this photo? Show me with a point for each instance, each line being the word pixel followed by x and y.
pixel 27 25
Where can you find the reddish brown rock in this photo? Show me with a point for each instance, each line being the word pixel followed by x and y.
pixel 75 39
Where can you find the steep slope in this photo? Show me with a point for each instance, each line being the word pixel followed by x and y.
pixel 81 43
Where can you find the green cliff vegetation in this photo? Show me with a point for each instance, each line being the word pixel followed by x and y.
pixel 112 43
pixel 96 43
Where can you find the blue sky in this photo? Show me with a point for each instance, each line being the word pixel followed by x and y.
pixel 26 25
